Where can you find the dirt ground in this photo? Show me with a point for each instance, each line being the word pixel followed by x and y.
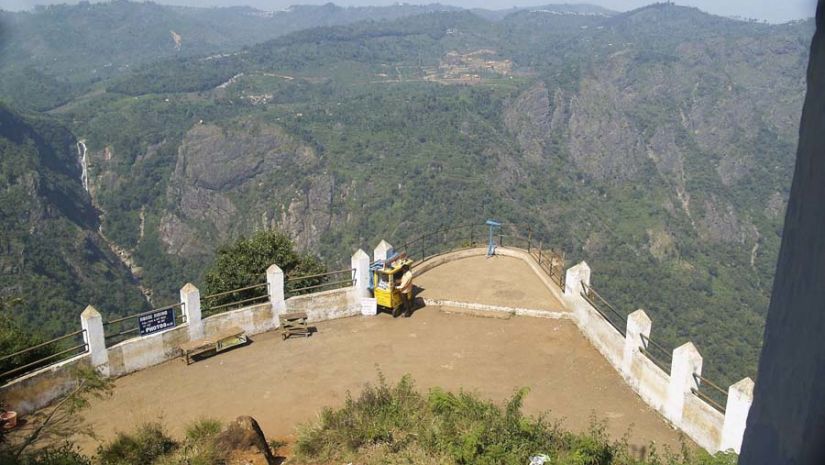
pixel 285 383
pixel 498 280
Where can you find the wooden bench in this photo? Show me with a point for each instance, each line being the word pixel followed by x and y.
pixel 230 337
pixel 294 324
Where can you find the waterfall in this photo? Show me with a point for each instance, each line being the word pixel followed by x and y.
pixel 81 153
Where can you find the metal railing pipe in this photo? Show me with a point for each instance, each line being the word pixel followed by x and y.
pixel 42 344
pixel 334 283
pixel 259 297
pixel 138 315
pixel 36 362
pixel 319 275
pixel 221 294
pixel 708 399
pixel 702 381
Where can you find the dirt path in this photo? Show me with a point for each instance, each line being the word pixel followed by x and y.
pixel 285 383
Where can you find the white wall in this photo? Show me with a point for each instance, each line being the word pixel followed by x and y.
pixel 696 418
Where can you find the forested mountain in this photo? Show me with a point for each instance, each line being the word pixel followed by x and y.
pixel 51 255
pixel 655 144
pixel 58 51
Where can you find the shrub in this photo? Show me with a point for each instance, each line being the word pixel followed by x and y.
pixel 66 454
pixel 148 443
pixel 381 414
pixel 199 448
pixel 202 429
pixel 276 444
pixel 395 424
pixel 194 453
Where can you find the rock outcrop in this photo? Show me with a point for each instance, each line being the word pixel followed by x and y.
pixel 241 175
pixel 245 443
pixel 785 423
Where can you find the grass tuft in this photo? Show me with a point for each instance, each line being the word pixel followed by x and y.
pixel 144 446
pixel 396 424
pixel 202 429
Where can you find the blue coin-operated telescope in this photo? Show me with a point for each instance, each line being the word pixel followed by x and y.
pixel 491 246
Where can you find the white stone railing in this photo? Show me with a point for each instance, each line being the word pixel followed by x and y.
pixel 670 393
pixel 38 388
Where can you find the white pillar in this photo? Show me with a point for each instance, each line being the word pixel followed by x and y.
pixel 95 338
pixel 361 264
pixel 740 397
pixel 382 250
pixel 638 325
pixel 574 278
pixel 275 285
pixel 687 361
pixel 190 297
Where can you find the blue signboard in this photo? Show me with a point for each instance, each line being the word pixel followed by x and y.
pixel 156 321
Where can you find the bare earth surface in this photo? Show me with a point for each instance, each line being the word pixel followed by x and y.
pixel 497 280
pixel 285 383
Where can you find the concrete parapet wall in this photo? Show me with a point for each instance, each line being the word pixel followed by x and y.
pixel 518 311
pixel 37 389
pixel 427 264
pixel 702 423
pixel 649 381
pixel 668 393
pixel 142 352
pixel 254 320
pixel 659 389
pixel 597 330
pixel 696 418
pixel 326 305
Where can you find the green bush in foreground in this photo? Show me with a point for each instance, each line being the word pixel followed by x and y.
pixel 202 429
pixel 390 425
pixel 66 454
pixel 397 424
pixel 148 443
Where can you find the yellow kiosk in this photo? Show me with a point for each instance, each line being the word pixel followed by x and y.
pixel 385 280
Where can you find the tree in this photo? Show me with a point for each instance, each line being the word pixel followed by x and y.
pixel 58 421
pixel 244 264
pixel 14 339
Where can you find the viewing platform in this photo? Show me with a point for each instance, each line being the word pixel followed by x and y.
pixel 286 383
pixel 496 281
pixel 283 384
pixel 490 324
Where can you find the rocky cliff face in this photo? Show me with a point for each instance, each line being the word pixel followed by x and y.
pixel 704 120
pixel 230 180
pixel 784 421
pixel 51 255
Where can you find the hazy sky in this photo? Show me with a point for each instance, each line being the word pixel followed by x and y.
pixel 771 10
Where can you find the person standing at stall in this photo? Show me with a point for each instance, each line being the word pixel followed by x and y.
pixel 405 287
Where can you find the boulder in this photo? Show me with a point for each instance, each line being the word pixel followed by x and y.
pixel 245 443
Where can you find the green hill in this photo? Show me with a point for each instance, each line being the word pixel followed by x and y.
pixel 655 144
pixel 55 52
pixel 51 255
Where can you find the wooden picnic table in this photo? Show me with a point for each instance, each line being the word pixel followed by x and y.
pixel 229 337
